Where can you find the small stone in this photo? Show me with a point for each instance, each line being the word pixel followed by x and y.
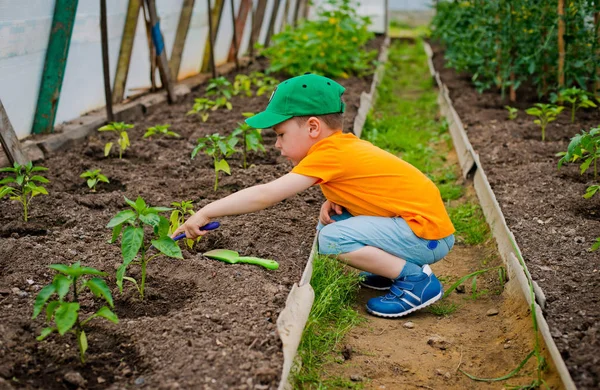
pixel 447 375
pixel 347 352
pixel 506 346
pixel 15 290
pixel 139 381
pixel 408 325
pixel 438 342
pixel 460 289
pixel 14 235
pixel 126 371
pixel 492 312
pixel 101 380
pixel 75 378
pixel 30 282
pixel 356 378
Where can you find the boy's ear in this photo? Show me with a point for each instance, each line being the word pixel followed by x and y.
pixel 315 126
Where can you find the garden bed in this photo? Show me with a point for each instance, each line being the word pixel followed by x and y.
pixel 553 224
pixel 204 323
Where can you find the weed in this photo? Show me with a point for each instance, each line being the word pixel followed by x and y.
pixel 469 222
pixel 443 308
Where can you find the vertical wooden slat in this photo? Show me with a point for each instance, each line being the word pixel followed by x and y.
pixel 161 53
pixel 9 139
pixel 133 11
pixel 259 16
pixel 54 65
pixel 240 25
pixel 182 30
pixel 215 19
pixel 151 51
pixel 272 22
pixel 235 35
pixel 105 66
pixel 286 11
pixel 297 11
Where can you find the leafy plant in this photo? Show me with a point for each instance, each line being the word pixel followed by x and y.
pixel 264 84
pixel 93 178
pixel 66 313
pixel 578 98
pixel 332 45
pixel 220 87
pixel 512 112
pixel 202 106
pixel 584 147
pixel 131 223
pixel 251 138
pixel 162 130
pixel 24 188
pixel 177 218
pixel 119 128
pixel 242 84
pixel 222 102
pixel 545 113
pixel 219 148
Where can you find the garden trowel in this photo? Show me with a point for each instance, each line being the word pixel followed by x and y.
pixel 233 257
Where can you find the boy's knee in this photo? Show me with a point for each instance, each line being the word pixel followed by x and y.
pixel 329 240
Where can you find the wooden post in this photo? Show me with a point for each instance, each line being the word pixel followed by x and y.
pixel 161 54
pixel 214 20
pixel 235 36
pixel 151 51
pixel 257 22
pixel 105 67
pixel 133 12
pixel 286 11
pixel 54 65
pixel 240 25
pixel 182 30
pixel 9 140
pixel 597 27
pixel 272 22
pixel 561 43
pixel 297 12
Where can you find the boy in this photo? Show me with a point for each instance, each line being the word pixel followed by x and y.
pixel 382 215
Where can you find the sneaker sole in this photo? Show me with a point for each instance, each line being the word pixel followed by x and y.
pixel 387 315
pixel 373 287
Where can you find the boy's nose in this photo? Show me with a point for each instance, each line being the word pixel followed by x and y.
pixel 277 144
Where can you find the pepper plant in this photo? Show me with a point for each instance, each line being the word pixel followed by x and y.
pixel 162 130
pixel 584 147
pixel 134 249
pixel 202 106
pixel 264 84
pixel 545 113
pixel 119 128
pixel 578 98
pixel 220 87
pixel 242 84
pixel 219 148
pixel 177 218
pixel 66 313
pixel 251 138
pixel 512 112
pixel 22 186
pixel 93 178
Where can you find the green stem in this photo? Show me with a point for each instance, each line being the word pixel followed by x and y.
pixel 143 282
pixel 25 207
pixel 78 326
pixel 573 113
pixel 543 132
pixel 245 150
pixel 216 176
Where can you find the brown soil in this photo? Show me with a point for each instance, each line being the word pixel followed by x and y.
pixel 554 226
pixel 204 324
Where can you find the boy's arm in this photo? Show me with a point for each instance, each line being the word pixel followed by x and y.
pixel 246 201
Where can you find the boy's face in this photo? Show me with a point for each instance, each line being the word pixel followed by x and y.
pixel 293 140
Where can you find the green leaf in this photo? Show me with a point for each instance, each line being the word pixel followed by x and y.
pixel 140 204
pixel 90 271
pixel 91 183
pixel 5 191
pixel 131 243
pixel 130 202
pixel 168 247
pixel 100 289
pixel 7 180
pixel 62 284
pixel 585 165
pixel 83 343
pixel 120 275
pixel 50 310
pixel 222 165
pixel 107 148
pixel 42 298
pixel 38 169
pixel 105 312
pixel 158 209
pixel 150 219
pixel 41 179
pixel 122 216
pixel 163 227
pixel 65 316
pixel 115 233
pixel 45 333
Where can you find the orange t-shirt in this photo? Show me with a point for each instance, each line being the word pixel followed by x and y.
pixel 367 180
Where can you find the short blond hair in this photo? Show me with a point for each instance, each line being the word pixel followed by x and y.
pixel 333 121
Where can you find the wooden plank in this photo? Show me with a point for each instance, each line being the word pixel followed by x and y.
pixel 161 53
pixel 105 63
pixel 54 65
pixel 235 35
pixel 9 140
pixel 215 18
pixel 272 22
pixel 286 11
pixel 182 30
pixel 297 11
pixel 240 26
pixel 129 29
pixel 257 22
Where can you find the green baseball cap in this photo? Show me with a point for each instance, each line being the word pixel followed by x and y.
pixel 309 94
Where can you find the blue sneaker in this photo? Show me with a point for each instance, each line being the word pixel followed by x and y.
pixel 375 282
pixel 406 295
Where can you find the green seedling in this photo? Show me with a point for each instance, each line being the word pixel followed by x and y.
pixel 202 106
pixel 545 113
pixel 242 84
pixel 251 138
pixel 264 84
pixel 232 257
pixel 177 218
pixel 578 98
pixel 93 178
pixel 512 112
pixel 133 248
pixel 119 128
pixel 219 148
pixel 220 87
pixel 162 130
pixel 584 147
pixel 66 314
pixel 23 185
pixel 222 102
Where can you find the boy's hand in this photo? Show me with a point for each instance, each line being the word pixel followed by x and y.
pixel 327 209
pixel 191 227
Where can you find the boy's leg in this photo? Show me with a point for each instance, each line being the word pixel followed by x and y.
pixel 388 247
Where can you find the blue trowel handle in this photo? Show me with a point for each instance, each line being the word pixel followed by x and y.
pixel 208 226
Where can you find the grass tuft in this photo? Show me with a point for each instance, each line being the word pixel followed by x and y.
pixel 443 308
pixel 470 224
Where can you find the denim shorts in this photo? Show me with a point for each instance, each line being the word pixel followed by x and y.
pixel 393 235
